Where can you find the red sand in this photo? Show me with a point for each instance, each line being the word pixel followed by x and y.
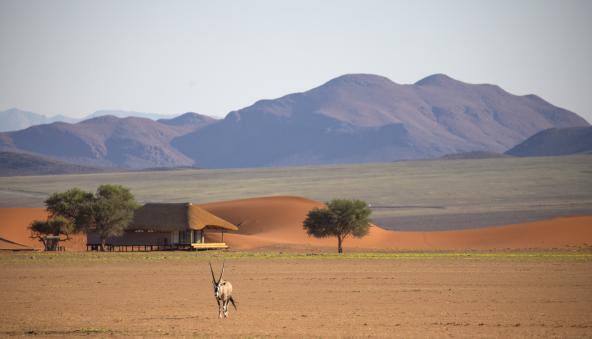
pixel 14 223
pixel 276 223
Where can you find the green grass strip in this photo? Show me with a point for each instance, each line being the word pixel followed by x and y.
pixel 97 257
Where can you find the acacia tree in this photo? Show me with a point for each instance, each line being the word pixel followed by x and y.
pixel 64 211
pixel 341 218
pixel 110 211
pixel 51 231
pixel 107 212
pixel 70 204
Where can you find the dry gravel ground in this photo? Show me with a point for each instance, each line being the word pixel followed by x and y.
pixel 298 296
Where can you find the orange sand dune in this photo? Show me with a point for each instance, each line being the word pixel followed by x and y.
pixel 14 223
pixel 277 221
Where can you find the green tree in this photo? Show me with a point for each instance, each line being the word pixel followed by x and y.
pixel 70 205
pixel 107 212
pixel 110 212
pixel 341 218
pixel 50 232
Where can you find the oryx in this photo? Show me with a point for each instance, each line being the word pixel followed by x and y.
pixel 222 292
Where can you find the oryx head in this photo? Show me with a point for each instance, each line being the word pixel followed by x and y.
pixel 217 283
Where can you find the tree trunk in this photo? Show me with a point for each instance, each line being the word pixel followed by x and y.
pixel 53 244
pixel 339 248
pixel 44 242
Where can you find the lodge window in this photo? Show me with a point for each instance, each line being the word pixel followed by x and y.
pixel 197 236
pixel 185 237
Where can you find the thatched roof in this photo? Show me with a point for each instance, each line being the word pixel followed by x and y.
pixel 176 217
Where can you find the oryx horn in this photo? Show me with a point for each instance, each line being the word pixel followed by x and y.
pixel 221 273
pixel 212 270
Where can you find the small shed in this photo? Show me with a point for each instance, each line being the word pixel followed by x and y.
pixel 170 226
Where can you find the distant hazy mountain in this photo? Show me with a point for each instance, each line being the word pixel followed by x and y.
pixel 15 119
pixel 363 117
pixel 26 164
pixel 105 141
pixel 556 141
pixel 189 121
pixel 353 118
pixel 126 114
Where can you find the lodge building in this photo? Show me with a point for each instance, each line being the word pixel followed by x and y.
pixel 162 226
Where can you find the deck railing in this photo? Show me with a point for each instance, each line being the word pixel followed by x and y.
pixel 148 248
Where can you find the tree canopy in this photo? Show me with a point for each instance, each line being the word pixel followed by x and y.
pixel 107 212
pixel 69 204
pixel 111 210
pixel 50 232
pixel 341 218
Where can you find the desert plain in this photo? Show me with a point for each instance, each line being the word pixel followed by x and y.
pixel 297 295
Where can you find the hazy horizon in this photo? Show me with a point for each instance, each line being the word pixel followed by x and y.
pixel 75 58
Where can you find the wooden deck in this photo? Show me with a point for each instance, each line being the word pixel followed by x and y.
pixel 148 248
pixel 209 246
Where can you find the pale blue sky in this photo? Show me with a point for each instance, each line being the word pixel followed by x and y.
pixel 76 57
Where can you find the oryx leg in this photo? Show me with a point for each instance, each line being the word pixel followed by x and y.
pixel 219 308
pixel 225 303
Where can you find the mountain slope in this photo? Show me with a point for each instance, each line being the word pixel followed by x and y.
pixel 364 117
pixel 106 141
pixel 27 164
pixel 555 141
pixel 189 121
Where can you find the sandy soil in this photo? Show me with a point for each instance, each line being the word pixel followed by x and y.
pixel 275 223
pixel 441 297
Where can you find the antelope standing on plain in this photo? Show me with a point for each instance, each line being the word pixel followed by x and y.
pixel 222 292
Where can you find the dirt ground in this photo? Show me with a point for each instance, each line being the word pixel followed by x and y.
pixel 497 296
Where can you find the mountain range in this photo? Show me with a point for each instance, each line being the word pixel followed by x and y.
pixel 352 118
pixel 108 141
pixel 14 119
pixel 367 118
